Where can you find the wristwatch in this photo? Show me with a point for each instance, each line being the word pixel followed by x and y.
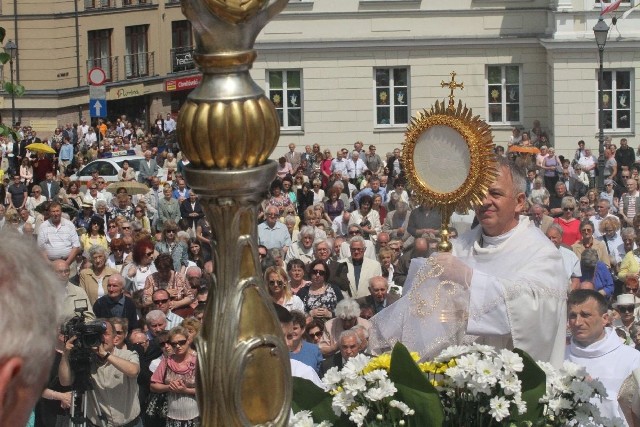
pixel 106 356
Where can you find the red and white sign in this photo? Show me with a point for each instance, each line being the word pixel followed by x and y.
pixel 97 76
pixel 183 83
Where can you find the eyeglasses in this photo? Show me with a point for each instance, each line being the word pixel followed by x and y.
pixel 318 272
pixel 586 230
pixel 316 334
pixel 273 215
pixel 626 176
pixel 625 308
pixel 632 290
pixel 113 226
pixel 161 301
pixel 119 332
pixel 276 283
pixel 126 228
pixel 93 188
pixel 357 249
pixel 138 211
pixel 180 343
pixel 170 231
pixel 567 209
pixel 143 342
pixel 354 232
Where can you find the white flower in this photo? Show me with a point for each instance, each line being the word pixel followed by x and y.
pixel 341 403
pixel 332 377
pixel 486 372
pixel 484 349
pixel 355 385
pixel 511 361
pixel 510 384
pixel 358 415
pixel 499 408
pixel 581 390
pixel 403 407
pixel 557 405
pixel 452 352
pixel 377 375
pixel 304 419
pixel 573 369
pixel 468 362
pixel 354 366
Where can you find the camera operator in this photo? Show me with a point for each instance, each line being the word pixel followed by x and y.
pixel 116 394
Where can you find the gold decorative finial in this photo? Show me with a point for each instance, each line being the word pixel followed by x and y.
pixel 452 85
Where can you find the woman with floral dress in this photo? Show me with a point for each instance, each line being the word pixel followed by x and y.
pixel 320 298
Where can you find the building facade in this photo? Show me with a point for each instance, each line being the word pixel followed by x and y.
pixel 339 71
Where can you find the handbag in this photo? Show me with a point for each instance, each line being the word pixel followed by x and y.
pixel 157 403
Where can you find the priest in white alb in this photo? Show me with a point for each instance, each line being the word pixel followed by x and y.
pixel 503 285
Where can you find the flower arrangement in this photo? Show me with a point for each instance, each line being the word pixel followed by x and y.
pixel 472 385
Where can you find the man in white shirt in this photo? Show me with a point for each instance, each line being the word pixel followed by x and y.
pixel 355 168
pixel 630 202
pixel 602 211
pixel 598 348
pixel 169 124
pixel 339 165
pixel 569 258
pixel 58 238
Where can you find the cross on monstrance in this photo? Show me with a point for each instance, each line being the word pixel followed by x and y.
pixel 452 85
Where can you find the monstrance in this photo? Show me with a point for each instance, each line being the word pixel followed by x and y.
pixel 449 158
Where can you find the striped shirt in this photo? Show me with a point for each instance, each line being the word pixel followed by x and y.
pixel 58 241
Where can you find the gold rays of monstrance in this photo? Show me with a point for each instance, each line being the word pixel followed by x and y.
pixel 448 158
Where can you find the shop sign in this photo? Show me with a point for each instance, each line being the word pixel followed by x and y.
pixel 183 83
pixel 125 92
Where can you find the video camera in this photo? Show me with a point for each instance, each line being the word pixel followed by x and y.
pixel 88 335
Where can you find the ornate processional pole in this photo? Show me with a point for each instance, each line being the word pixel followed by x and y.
pixel 227 129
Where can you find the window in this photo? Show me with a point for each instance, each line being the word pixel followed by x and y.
pixel 182 46
pixel 136 60
pixel 285 91
pixel 392 96
pixel 616 100
pixel 503 94
pixel 99 55
pixel 93 4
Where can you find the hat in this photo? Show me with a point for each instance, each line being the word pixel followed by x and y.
pixel 625 299
pixel 86 203
pixel 608 181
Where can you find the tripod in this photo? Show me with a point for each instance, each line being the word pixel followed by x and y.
pixel 79 400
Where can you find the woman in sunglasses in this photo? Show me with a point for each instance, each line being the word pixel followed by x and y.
pixel 173 282
pixel 569 223
pixel 313 331
pixel 176 375
pixel 279 289
pixel 320 298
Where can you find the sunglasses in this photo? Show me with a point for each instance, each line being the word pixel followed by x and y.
pixel 126 228
pixel 626 309
pixel 276 283
pixel 161 301
pixel 567 209
pixel 119 332
pixel 316 334
pixel 170 231
pixel 180 343
pixel 353 233
pixel 138 211
pixel 318 272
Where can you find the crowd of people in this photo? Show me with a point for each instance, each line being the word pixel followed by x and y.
pixel 337 236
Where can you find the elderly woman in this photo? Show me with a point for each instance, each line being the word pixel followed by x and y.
pixel 539 194
pixel 320 298
pixel 278 286
pixel 334 206
pixel 347 316
pixel 35 200
pixel 117 258
pixel 570 225
pixel 609 234
pixel 609 194
pixel 303 248
pixel 127 173
pixel 630 265
pixel 165 278
pixel 168 209
pixel 596 272
pixel 313 331
pixel 94 279
pixel 176 376
pixel 142 266
pixel 177 250
pixel 171 165
pixel 296 271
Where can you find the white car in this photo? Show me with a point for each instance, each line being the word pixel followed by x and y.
pixel 109 168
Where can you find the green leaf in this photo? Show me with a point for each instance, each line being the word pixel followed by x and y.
pixel 8 87
pixel 414 389
pixel 310 397
pixel 4 57
pixel 19 90
pixel 534 382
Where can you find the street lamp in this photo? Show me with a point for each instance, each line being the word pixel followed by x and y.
pixel 601 31
pixel 11 48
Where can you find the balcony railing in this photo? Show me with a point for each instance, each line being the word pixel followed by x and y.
pixel 126 3
pixel 99 4
pixel 182 59
pixel 139 65
pixel 108 64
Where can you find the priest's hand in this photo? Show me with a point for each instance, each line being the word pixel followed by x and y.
pixel 453 269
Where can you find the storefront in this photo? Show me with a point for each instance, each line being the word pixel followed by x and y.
pixel 129 100
pixel 179 89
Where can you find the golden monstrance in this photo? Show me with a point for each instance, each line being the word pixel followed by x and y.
pixel 449 159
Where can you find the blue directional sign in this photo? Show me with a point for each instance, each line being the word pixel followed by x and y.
pixel 98 107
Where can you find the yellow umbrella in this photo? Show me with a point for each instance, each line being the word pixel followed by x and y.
pixel 39 147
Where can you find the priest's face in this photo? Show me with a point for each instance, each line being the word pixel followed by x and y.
pixel 501 206
pixel 586 322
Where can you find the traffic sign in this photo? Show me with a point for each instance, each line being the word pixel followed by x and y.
pixel 98 107
pixel 97 76
pixel 97 92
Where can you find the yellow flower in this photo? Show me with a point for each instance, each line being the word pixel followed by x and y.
pixel 381 362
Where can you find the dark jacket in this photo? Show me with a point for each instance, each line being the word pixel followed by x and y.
pixel 102 309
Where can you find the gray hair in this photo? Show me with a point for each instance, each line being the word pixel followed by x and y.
pixel 101 203
pixel 97 249
pixel 401 206
pixel 347 308
pixel 556 227
pixel 518 174
pixel 155 316
pixel 363 329
pixel 356 239
pixel 307 231
pixel 29 297
pixel 350 333
pixel 290 220
pixel 118 277
pixel 628 232
pixel 323 241
pixel 605 200
pixel 339 185
pixel 589 258
pixel 136 225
